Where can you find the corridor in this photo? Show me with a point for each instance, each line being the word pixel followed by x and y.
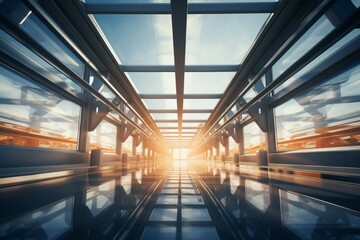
pixel 180 119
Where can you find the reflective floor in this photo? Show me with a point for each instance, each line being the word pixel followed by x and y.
pixel 97 204
pixel 180 211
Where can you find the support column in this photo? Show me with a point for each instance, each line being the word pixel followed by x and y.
pixel 217 147
pixel 226 144
pixel 134 144
pixel 144 148
pixel 241 141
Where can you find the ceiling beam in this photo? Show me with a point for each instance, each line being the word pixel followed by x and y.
pixel 188 68
pixel 175 121
pixel 179 17
pixel 193 8
pixel 182 111
pixel 177 128
pixel 186 96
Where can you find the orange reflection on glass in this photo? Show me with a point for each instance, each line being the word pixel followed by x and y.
pixel 16 135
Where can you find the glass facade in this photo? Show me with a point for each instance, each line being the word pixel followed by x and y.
pixel 307 41
pixel 325 115
pixel 34 116
pixel 127 145
pixel 104 137
pixel 15 49
pixel 254 138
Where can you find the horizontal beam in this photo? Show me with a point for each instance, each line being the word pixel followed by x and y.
pixel 186 96
pixel 222 8
pixel 177 128
pixel 175 121
pixel 178 132
pixel 184 111
pixel 188 68
pixel 193 8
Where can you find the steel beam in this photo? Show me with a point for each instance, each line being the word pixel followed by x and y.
pixel 184 121
pixel 179 17
pixel 177 111
pixel 188 68
pixel 186 96
pixel 193 8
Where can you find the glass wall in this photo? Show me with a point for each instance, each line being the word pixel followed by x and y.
pixel 325 115
pixel 233 146
pixel 316 33
pixel 254 138
pixel 127 146
pixel 38 31
pixel 16 50
pixel 32 115
pixel 104 137
pixel 139 149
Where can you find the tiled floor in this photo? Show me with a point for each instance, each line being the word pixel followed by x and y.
pixel 180 212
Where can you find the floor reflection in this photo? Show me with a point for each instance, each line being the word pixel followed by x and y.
pixel 263 208
pixel 90 206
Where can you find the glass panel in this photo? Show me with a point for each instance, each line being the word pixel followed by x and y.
pixel 156 232
pixel 164 116
pixel 207 83
pixel 254 138
pixel 49 222
pixel 233 146
pixel 163 214
pixel 196 116
pixel 139 149
pixel 42 35
pixel 200 103
pixel 153 83
pixel 310 218
pixel 104 137
pixel 257 194
pixel 350 39
pixel 195 214
pixel 325 115
pixel 194 124
pixel 172 124
pixel 142 39
pixel 170 191
pixel 189 191
pixel 31 115
pixel 161 103
pixel 101 197
pixel 167 199
pixel 192 200
pixel 315 34
pixel 18 51
pixel 195 232
pixel 213 39
pixel 127 145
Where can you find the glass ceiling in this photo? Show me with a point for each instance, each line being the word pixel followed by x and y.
pixel 207 82
pixel 143 44
pixel 212 39
pixel 139 39
pixel 153 82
